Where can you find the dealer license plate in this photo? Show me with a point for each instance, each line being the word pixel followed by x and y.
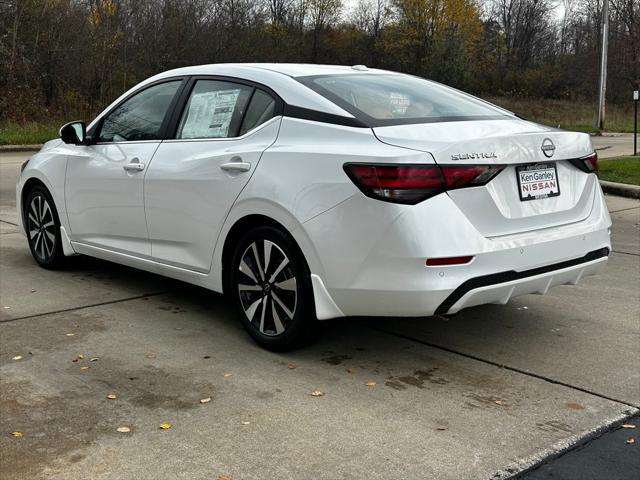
pixel 537 181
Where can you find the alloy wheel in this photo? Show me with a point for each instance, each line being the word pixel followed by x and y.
pixel 41 227
pixel 268 287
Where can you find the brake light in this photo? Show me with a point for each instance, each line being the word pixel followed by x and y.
pixel 587 164
pixel 413 183
pixel 591 162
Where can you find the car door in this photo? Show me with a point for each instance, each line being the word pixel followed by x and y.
pixel 195 178
pixel 105 180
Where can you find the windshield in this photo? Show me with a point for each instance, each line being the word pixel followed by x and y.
pixel 400 99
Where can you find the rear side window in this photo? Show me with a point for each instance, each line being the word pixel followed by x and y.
pixel 141 116
pixel 261 109
pixel 380 99
pixel 215 110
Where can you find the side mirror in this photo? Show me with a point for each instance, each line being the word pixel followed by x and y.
pixel 74 133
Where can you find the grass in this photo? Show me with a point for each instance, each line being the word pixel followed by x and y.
pixel 568 115
pixel 621 170
pixel 30 133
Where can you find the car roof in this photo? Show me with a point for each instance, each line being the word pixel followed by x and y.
pixel 289 69
pixel 279 77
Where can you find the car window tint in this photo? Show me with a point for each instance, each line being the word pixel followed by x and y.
pixel 140 117
pixel 260 110
pixel 215 110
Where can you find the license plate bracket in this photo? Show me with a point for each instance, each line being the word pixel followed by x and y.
pixel 537 181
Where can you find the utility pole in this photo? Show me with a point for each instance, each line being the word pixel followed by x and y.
pixel 603 66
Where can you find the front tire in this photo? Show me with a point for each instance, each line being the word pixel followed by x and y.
pixel 271 289
pixel 42 226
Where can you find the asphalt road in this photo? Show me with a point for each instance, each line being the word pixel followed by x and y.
pixel 485 394
pixel 599 459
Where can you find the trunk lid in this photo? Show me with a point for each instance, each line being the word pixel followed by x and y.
pixel 496 209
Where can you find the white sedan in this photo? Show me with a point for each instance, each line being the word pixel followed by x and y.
pixel 309 192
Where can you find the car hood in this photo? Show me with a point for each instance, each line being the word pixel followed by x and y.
pixel 507 141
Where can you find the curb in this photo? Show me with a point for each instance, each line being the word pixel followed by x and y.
pixel 20 148
pixel 621 189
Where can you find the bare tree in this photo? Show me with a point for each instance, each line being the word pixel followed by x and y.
pixel 321 14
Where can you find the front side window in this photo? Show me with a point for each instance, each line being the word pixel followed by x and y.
pixel 399 99
pixel 141 116
pixel 215 110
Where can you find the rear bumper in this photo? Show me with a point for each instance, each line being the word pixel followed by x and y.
pixel 374 263
pixel 501 287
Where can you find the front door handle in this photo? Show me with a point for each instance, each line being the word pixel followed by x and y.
pixel 134 167
pixel 236 166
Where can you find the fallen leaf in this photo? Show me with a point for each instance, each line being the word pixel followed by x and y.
pixel 371 384
pixel 207 357
pixel 17 434
pixel 84 367
pixel 34 291
pixel 628 425
pixel 227 375
pixel 441 428
pixel 291 366
pixel 246 423
pixel 17 357
pixel 498 402
pixel 112 396
pixel 349 370
pixel 74 360
pixel 150 355
pixel 165 426
pixel 70 334
pixel 6 308
pixel 575 406
pixel 225 477
pixel 631 440
pixel 205 400
pixel 124 429
pixel 80 356
pixel 94 359
pixel 316 393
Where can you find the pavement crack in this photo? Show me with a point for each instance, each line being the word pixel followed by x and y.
pixel 626 253
pixel 624 209
pixel 83 307
pixel 506 367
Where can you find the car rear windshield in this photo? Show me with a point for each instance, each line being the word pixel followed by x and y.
pixel 393 99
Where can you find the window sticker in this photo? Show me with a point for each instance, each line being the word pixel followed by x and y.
pixel 210 114
pixel 399 103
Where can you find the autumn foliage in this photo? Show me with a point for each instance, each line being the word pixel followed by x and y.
pixel 72 57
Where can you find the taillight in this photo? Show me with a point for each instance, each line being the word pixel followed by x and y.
pixel 587 164
pixel 411 183
pixel 591 162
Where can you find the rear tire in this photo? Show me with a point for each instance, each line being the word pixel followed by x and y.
pixel 271 288
pixel 42 226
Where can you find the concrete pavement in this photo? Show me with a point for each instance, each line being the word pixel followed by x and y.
pixel 613 144
pixel 482 395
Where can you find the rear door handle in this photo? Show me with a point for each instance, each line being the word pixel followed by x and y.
pixel 236 166
pixel 134 167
